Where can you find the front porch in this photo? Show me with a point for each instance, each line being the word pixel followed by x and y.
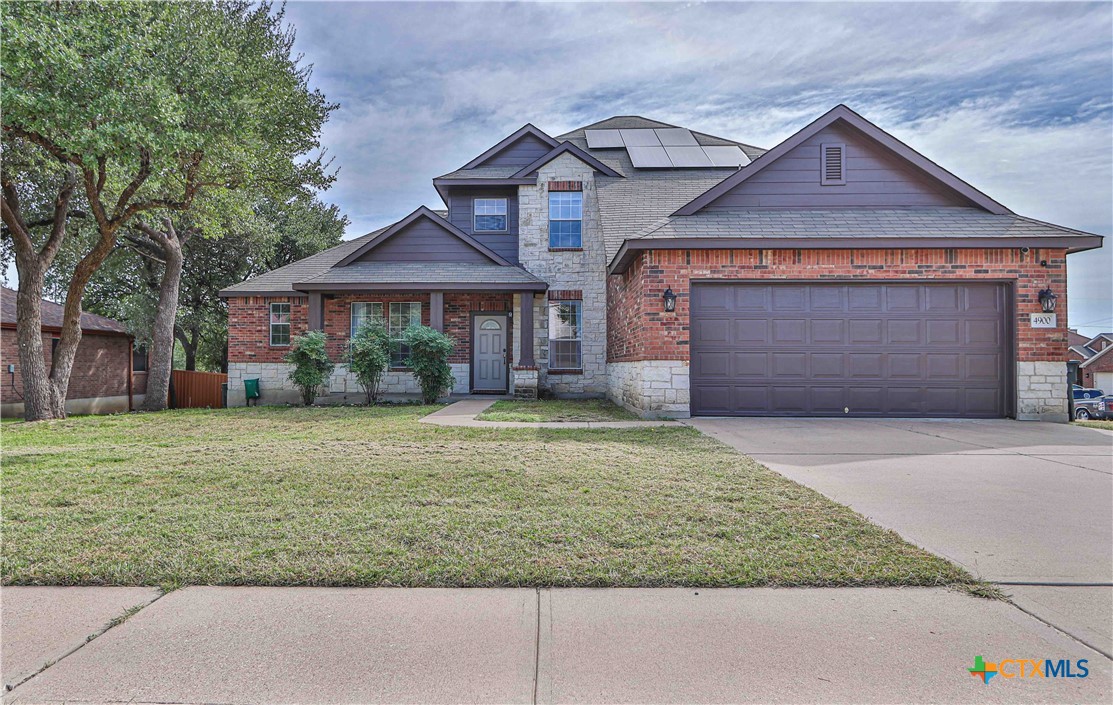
pixel 488 327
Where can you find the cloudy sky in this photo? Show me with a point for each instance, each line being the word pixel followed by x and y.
pixel 1015 98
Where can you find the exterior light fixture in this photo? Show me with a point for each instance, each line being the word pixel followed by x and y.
pixel 670 300
pixel 1047 300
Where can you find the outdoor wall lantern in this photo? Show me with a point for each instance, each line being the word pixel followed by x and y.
pixel 670 300
pixel 1047 300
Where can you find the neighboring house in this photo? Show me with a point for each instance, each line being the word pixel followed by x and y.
pixel 840 273
pixel 1095 365
pixel 108 374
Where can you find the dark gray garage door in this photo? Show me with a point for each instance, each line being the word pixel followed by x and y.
pixel 849 350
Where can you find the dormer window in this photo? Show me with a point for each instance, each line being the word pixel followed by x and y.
pixel 490 215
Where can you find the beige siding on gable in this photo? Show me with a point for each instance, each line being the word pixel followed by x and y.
pixel 875 178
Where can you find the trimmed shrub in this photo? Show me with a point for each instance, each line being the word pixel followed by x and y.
pixel 428 358
pixel 369 357
pixel 311 364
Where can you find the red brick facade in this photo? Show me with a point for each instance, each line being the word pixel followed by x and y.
pixel 100 368
pixel 1101 364
pixel 639 329
pixel 249 321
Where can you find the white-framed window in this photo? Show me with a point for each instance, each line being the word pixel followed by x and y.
pixel 402 316
pixel 280 324
pixel 489 215
pixel 565 335
pixel 566 214
pixel 364 312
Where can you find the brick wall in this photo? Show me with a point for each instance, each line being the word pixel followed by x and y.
pixel 100 368
pixel 639 328
pixel 249 338
pixel 249 322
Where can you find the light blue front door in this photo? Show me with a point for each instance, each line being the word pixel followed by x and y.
pixel 489 353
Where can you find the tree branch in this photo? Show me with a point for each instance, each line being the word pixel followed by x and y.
pixel 11 215
pixel 48 145
pixel 140 177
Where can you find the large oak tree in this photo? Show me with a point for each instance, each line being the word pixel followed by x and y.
pixel 131 113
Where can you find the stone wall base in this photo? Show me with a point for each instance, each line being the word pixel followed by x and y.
pixel 650 388
pixel 524 383
pixel 1041 392
pixel 275 386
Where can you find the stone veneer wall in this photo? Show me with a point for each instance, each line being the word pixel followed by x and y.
pixel 640 330
pixel 650 388
pixel 583 270
pixel 275 386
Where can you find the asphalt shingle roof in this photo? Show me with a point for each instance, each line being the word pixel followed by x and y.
pixel 852 223
pixel 433 272
pixel 52 315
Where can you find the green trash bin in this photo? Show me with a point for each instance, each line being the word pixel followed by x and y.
pixel 251 390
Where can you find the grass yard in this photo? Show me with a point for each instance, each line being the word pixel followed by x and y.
pixel 1097 423
pixel 557 410
pixel 356 496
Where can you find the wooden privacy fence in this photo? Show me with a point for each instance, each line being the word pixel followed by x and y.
pixel 197 390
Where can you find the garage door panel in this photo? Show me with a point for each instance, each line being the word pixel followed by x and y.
pixel 828 365
pixel 828 331
pixel 905 332
pixel 919 349
pixel 828 400
pixel 864 331
pixel 714 365
pixel 749 365
pixel 711 330
pixel 752 331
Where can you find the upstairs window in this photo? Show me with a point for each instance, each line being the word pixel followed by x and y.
pixel 402 316
pixel 490 215
pixel 566 209
pixel 280 324
pixel 565 335
pixel 364 313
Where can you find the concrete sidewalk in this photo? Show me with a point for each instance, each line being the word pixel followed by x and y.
pixel 323 645
pixel 463 413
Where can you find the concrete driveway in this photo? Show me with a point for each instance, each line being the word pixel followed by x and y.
pixel 1026 505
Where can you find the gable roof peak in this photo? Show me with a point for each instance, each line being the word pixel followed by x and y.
pixel 421 212
pixel 566 148
pixel 525 130
pixel 844 113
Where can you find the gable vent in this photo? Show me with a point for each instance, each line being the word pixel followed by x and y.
pixel 834 164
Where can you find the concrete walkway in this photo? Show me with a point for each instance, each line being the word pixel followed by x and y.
pixel 463 413
pixel 323 645
pixel 1026 505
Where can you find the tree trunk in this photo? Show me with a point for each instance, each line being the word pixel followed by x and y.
pixel 44 396
pixel 189 346
pixel 162 335
pixel 32 363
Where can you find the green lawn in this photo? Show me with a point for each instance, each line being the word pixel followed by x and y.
pixel 557 410
pixel 1097 423
pixel 356 496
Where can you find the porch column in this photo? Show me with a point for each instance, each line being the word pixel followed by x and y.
pixel 436 310
pixel 526 343
pixel 316 311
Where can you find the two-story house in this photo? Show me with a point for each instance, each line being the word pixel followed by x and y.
pixel 840 273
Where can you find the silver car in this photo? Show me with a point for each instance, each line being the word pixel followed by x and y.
pixel 1097 408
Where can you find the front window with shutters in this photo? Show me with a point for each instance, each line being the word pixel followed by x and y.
pixel 280 324
pixel 565 335
pixel 402 316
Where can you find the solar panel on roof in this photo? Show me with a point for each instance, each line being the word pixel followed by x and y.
pixel 688 156
pixel 604 139
pixel 649 157
pixel 640 138
pixel 676 137
pixel 726 156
